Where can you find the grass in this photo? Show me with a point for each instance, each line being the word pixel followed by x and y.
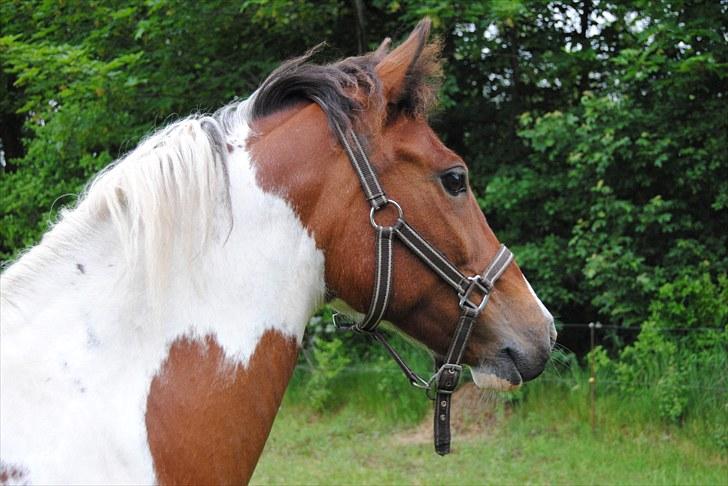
pixel 540 435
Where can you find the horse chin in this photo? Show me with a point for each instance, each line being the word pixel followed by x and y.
pixel 488 378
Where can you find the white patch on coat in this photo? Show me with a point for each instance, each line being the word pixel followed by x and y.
pixel 547 315
pixel 85 325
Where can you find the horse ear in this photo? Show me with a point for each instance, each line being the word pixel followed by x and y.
pixel 382 50
pixel 394 67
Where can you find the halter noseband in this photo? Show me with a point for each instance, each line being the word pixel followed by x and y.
pixel 473 292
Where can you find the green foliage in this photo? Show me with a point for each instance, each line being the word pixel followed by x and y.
pixel 81 84
pixel 329 361
pixel 626 222
pixel 621 184
pixel 680 355
pixel 337 369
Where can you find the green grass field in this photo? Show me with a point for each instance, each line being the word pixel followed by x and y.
pixel 544 438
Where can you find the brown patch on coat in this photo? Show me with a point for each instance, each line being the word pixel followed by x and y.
pixel 208 417
pixel 14 473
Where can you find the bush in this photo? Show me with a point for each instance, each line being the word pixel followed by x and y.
pixel 329 361
pixel 680 357
pixel 338 368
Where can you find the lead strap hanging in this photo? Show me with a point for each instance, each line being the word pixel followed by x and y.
pixel 447 378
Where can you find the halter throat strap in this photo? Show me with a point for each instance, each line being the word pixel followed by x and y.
pixel 473 291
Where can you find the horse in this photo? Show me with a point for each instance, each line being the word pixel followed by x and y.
pixel 150 336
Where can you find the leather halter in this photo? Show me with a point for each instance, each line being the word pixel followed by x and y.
pixel 473 291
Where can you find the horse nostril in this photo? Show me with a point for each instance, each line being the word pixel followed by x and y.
pixel 529 365
pixel 515 356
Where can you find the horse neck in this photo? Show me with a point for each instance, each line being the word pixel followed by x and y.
pixel 261 271
pixel 297 155
pixel 239 306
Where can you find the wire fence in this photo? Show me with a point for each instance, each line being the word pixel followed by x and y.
pixel 599 325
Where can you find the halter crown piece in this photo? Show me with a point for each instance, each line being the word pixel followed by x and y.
pixel 473 292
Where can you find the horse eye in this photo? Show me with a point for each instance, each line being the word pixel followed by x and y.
pixel 455 181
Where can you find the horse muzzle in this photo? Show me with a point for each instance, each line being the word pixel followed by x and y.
pixel 514 364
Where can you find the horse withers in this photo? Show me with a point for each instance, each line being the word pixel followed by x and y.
pixel 150 336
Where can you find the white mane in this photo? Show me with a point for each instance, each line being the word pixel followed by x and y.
pixel 175 241
pixel 162 198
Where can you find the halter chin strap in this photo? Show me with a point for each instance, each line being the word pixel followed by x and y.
pixel 473 291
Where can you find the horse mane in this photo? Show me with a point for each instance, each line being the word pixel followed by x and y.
pixel 346 88
pixel 330 86
pixel 167 195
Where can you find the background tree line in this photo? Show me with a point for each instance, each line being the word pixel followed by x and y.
pixel 595 130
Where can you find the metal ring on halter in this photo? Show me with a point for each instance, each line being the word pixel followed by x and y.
pixel 397 224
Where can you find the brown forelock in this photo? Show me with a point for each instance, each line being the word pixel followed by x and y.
pixel 384 85
pixel 208 417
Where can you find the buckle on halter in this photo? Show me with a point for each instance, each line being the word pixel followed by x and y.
pixel 476 282
pixel 447 377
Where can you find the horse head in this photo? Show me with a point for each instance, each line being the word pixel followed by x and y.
pixel 384 97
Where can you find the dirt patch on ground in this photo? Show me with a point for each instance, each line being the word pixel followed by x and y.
pixel 474 413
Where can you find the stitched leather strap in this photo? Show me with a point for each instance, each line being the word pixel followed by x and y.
pixel 447 379
pixel 498 265
pixel 364 169
pixel 473 292
pixel 412 376
pixel 443 402
pixel 382 281
pixel 449 372
pixel 432 257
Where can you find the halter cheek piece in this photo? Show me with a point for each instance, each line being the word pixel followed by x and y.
pixel 473 292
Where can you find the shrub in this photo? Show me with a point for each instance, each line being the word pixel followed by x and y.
pixel 680 357
pixel 329 361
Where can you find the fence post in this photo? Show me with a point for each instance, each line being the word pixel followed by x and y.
pixel 592 376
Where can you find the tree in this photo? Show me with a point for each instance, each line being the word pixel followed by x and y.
pixel 595 131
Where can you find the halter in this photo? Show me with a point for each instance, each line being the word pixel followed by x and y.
pixel 473 291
